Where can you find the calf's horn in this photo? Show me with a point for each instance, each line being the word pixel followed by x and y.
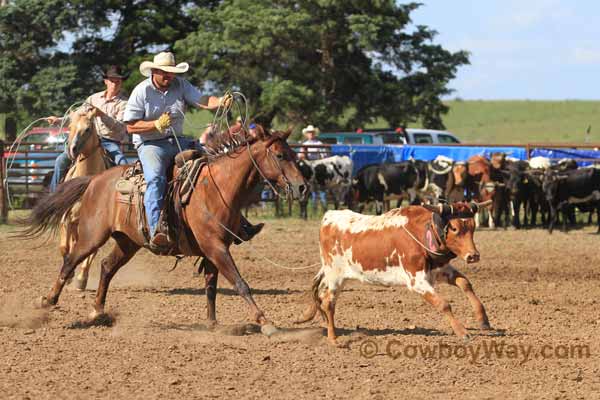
pixel 442 209
pixel 476 206
pixel 436 209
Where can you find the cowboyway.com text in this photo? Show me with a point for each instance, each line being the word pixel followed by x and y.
pixel 474 352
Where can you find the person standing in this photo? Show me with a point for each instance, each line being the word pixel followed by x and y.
pixel 317 194
pixel 110 106
pixel 311 153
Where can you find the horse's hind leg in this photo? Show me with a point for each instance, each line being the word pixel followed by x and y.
pixel 80 251
pixel 124 249
pixel 211 275
pixel 65 240
pixel 81 278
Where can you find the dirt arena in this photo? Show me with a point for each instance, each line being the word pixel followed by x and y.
pixel 542 293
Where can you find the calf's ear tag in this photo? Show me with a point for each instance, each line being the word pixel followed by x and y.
pixel 429 240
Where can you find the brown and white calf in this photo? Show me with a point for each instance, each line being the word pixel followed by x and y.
pixel 410 246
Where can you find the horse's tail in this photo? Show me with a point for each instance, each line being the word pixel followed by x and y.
pixel 315 304
pixel 49 212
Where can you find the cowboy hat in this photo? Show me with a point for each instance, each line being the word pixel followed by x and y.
pixel 113 71
pixel 165 61
pixel 310 128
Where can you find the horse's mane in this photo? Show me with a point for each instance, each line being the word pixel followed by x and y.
pixel 233 139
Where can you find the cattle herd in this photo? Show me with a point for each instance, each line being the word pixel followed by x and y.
pixel 524 193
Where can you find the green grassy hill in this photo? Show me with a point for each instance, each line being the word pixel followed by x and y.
pixel 510 121
pixel 522 121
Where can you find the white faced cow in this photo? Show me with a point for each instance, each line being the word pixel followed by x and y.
pixel 409 246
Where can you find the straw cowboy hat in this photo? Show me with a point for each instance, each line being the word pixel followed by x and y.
pixel 310 128
pixel 164 61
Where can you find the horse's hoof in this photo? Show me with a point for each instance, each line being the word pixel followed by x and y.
pixel 101 319
pixel 42 302
pixel 95 315
pixel 269 330
pixel 485 326
pixel 211 323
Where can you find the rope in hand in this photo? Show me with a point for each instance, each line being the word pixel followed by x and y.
pixel 13 150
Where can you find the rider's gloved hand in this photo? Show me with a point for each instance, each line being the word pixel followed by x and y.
pixel 225 101
pixel 163 122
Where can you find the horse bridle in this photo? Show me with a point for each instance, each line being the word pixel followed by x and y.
pixel 273 159
pixel 87 133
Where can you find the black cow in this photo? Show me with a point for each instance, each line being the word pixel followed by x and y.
pixel 537 200
pixel 374 182
pixel 579 187
pixel 525 189
pixel 520 189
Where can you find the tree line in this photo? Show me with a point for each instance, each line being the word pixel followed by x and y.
pixel 332 63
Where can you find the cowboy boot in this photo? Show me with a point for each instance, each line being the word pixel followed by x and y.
pixel 161 242
pixel 247 231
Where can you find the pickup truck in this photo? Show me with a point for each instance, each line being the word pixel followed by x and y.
pixel 384 136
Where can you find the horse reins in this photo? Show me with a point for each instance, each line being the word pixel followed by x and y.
pixel 255 164
pixel 210 215
pixel 287 182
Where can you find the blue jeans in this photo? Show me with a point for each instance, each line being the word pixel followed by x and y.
pixel 156 157
pixel 61 165
pixel 114 151
pixel 322 195
pixel 62 162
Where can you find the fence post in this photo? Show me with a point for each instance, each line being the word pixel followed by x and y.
pixel 3 199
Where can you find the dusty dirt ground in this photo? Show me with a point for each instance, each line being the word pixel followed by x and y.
pixel 541 292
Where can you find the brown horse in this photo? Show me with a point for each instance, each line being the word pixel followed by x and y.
pixel 84 147
pixel 210 218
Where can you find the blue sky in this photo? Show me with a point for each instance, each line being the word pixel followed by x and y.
pixel 520 49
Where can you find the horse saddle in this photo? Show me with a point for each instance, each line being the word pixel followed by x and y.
pixel 131 186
